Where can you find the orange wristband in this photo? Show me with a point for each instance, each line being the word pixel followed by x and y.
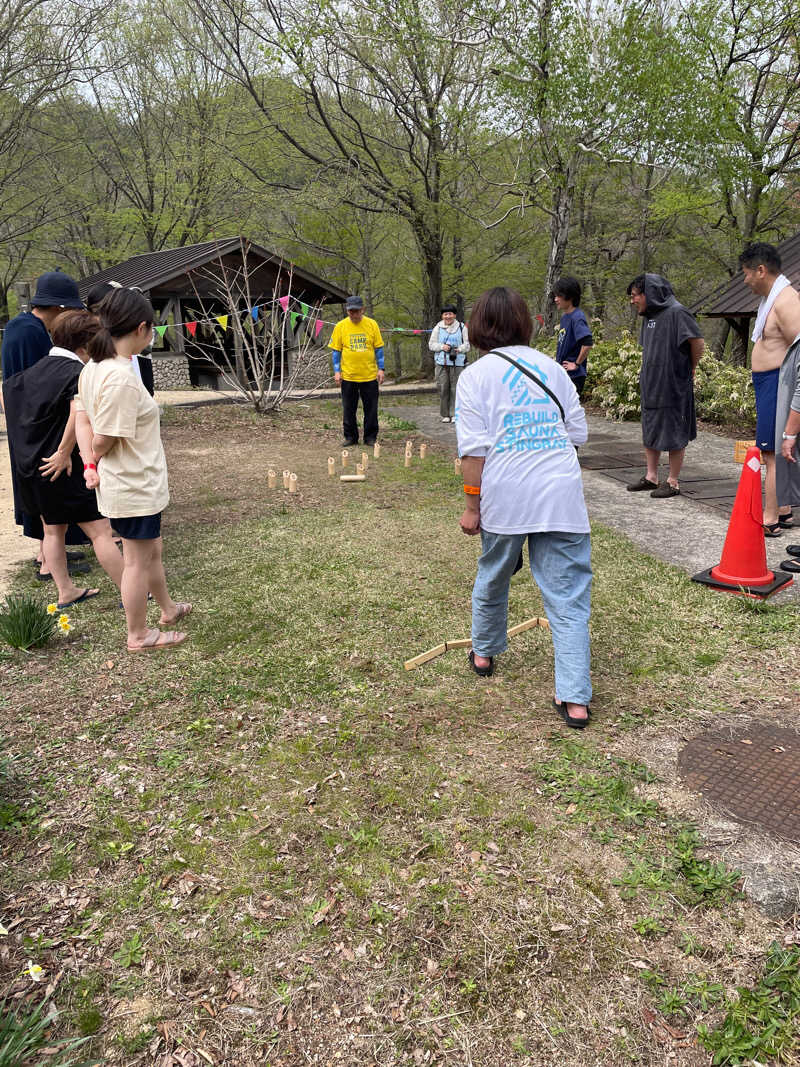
pixel 472 490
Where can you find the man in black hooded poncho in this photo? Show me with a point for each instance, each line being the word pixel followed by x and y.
pixel 672 346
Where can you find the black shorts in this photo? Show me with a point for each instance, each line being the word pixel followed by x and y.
pixel 138 528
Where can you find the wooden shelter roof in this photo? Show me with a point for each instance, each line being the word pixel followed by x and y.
pixel 156 270
pixel 732 299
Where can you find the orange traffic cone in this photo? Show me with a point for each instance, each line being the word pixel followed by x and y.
pixel 743 567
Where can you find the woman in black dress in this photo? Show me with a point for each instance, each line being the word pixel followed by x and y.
pixel 40 416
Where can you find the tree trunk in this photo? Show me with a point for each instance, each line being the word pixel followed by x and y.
pixel 430 246
pixel 563 200
pixel 397 358
pixel 458 265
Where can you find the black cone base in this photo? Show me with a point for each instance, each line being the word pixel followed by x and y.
pixel 757 592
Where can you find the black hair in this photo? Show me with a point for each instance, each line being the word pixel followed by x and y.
pixel 94 297
pixel 568 288
pixel 638 284
pixel 760 253
pixel 120 313
pixel 449 307
pixel 500 317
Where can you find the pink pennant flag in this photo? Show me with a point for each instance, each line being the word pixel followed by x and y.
pixel 317 328
pixel 417 331
pixel 284 303
pixel 192 328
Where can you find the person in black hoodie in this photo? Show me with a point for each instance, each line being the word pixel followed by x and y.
pixel 672 346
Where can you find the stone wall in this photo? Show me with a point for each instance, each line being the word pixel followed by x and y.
pixel 314 370
pixel 171 372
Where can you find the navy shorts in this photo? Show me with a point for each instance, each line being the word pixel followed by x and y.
pixel 765 383
pixel 139 528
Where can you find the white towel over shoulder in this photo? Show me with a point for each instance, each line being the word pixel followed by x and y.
pixel 765 305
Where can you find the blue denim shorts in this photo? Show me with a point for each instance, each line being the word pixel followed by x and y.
pixel 138 528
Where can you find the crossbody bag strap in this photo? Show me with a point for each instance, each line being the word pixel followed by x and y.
pixel 533 378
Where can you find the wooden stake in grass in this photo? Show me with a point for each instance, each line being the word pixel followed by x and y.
pixel 423 450
pixel 408 459
pixel 272 479
pixel 376 450
pixel 365 461
pixel 286 475
pixel 457 465
pixel 466 642
pixel 345 457
pixel 352 477
pixel 331 466
pixel 359 468
pixel 292 483
pixel 423 657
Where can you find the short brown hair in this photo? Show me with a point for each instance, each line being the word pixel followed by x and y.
pixel 500 317
pixel 74 330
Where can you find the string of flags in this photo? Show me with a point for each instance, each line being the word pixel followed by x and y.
pixel 305 312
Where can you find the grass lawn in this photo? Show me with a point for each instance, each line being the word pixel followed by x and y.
pixel 275 846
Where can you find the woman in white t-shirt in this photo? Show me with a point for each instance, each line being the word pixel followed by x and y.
pixel 518 420
pixel 118 430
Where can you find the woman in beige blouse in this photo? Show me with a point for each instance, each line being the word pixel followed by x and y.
pixel 118 431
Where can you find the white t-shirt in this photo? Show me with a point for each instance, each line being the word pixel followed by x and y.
pixel 133 474
pixel 531 480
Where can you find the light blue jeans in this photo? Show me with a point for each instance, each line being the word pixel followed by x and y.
pixel 561 567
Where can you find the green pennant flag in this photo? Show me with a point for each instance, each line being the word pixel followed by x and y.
pixel 293 317
pixel 306 310
pixel 161 330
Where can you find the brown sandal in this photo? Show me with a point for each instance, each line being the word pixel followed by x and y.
pixel 181 613
pixel 159 639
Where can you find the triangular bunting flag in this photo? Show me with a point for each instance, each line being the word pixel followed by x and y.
pixel 306 310
pixel 191 328
pixel 293 317
pixel 254 313
pixel 161 330
pixel 284 303
pixel 223 321
pixel 317 328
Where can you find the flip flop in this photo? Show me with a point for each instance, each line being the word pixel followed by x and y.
pixel 87 594
pixel 793 550
pixel 483 672
pixel 791 565
pixel 772 529
pixel 181 613
pixel 576 724
pixel 786 522
pixel 160 639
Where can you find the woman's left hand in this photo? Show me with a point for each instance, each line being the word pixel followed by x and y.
pixel 53 466
pixel 470 522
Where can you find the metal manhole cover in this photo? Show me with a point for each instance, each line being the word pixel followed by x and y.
pixel 752 773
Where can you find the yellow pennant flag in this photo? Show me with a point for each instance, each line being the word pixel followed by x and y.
pixel 223 321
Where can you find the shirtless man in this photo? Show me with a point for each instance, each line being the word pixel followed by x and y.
pixel 773 333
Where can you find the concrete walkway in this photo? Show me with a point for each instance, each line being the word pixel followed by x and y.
pixel 688 530
pixel 190 398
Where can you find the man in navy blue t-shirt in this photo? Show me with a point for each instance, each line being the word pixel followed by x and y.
pixel 574 334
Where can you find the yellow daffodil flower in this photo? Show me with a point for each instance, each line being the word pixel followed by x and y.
pixel 52 609
pixel 62 619
pixel 34 971
pixel 64 627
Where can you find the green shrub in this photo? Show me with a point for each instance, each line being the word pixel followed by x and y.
pixel 25 622
pixel 723 393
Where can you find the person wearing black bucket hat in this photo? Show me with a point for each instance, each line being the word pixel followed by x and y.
pixel 26 340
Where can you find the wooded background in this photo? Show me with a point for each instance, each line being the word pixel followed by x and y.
pixel 409 151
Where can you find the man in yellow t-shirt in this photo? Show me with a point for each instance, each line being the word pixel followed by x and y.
pixel 358 367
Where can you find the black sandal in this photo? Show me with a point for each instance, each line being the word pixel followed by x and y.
pixel 786 522
pixel 790 565
pixel 773 529
pixel 483 672
pixel 576 724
